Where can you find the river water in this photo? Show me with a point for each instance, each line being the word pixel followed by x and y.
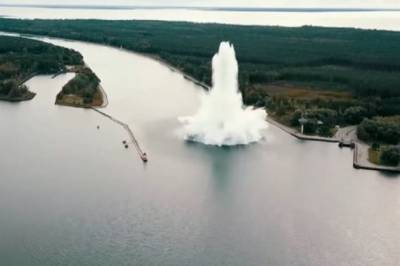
pixel 384 20
pixel 70 194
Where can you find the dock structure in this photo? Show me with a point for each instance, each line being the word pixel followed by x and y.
pixel 299 135
pixel 141 153
pixel 360 150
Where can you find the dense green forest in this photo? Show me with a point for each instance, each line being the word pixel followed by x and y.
pixel 361 60
pixel 22 58
pixel 384 130
pixel 336 76
pixel 365 63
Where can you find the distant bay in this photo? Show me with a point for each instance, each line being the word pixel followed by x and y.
pixel 365 18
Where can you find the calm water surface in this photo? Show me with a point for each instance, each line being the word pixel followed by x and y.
pixel 367 20
pixel 72 195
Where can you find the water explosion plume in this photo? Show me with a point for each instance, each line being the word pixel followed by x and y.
pixel 222 118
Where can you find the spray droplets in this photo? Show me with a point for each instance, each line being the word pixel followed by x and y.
pixel 222 119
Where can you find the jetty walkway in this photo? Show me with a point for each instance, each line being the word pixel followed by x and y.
pixel 298 135
pixel 141 153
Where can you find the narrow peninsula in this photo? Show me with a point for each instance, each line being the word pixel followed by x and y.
pixel 23 58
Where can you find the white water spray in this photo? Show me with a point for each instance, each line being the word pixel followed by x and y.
pixel 222 119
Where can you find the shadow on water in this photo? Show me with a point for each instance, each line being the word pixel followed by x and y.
pixel 390 175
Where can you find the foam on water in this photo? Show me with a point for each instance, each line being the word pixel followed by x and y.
pixel 222 119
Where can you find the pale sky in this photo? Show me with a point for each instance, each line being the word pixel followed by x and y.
pixel 249 3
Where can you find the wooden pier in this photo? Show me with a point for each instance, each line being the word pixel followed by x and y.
pixel 141 153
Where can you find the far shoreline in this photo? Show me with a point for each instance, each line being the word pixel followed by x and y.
pixel 360 150
pixel 225 8
pixel 360 160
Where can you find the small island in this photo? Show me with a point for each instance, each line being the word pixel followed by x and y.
pixel 23 58
pixel 81 91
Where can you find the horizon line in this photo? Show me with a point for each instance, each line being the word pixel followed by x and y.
pixel 205 8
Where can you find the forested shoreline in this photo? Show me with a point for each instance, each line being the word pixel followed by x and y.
pixel 330 76
pixel 23 58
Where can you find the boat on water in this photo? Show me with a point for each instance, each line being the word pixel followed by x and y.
pixel 144 157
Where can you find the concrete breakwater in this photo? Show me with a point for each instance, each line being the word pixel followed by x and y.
pixel 360 151
pixel 298 135
pixel 360 160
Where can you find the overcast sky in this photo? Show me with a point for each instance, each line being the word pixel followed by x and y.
pixel 252 3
